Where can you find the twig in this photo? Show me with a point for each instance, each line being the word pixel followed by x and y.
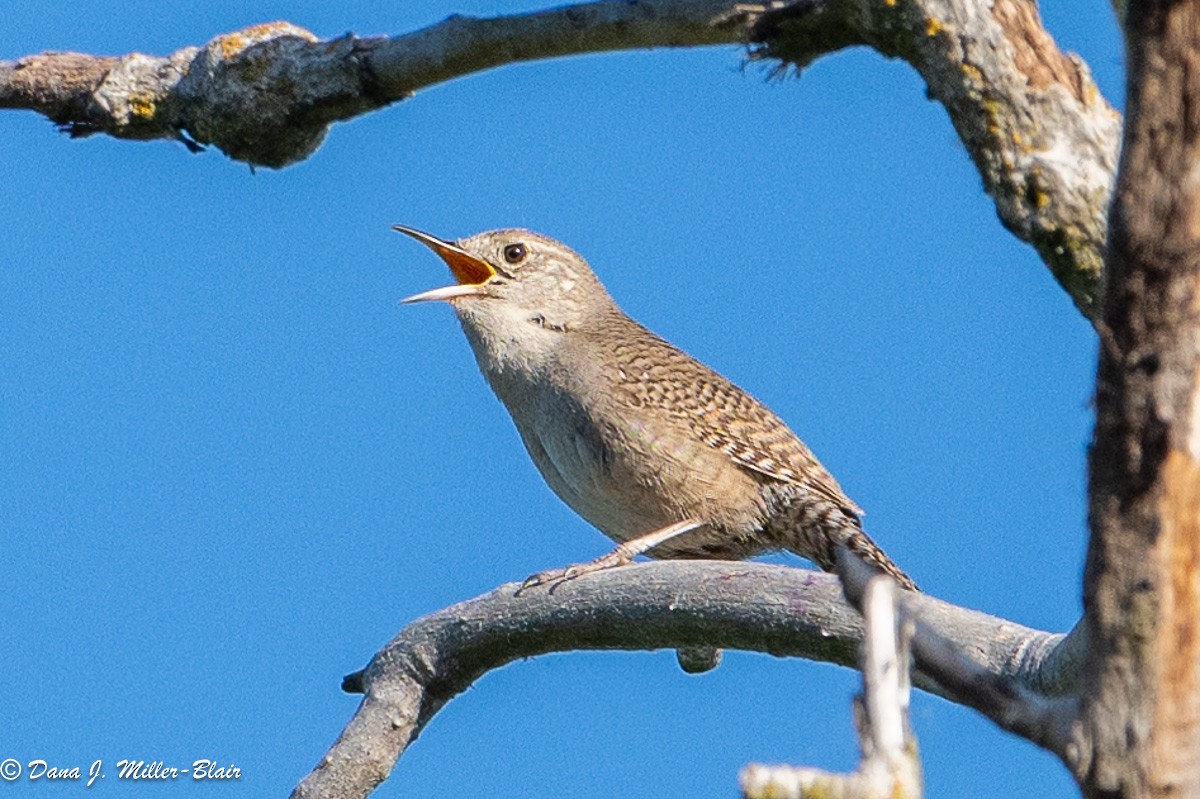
pixel 890 767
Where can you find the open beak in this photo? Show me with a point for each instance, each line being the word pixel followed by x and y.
pixel 470 272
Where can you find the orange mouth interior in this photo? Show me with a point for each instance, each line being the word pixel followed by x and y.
pixel 467 269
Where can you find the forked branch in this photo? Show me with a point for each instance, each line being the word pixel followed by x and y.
pixel 1041 710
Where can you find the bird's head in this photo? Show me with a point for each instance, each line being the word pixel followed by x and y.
pixel 511 279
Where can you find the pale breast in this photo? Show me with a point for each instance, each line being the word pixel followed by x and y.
pixel 599 478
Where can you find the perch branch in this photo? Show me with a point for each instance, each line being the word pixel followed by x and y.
pixel 668 604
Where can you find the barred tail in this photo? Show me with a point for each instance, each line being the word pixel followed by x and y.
pixel 813 529
pixel 858 543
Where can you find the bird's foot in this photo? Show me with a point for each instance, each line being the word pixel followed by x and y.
pixel 553 577
pixel 623 555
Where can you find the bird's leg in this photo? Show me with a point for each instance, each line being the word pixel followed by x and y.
pixel 621 556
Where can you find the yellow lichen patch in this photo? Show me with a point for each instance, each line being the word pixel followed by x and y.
pixel 890 3
pixel 933 27
pixel 142 106
pixel 972 73
pixel 231 44
pixel 268 30
pixel 262 30
pixel 1040 199
pixel 991 109
pixel 1017 140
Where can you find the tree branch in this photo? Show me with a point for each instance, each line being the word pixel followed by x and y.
pixel 667 604
pixel 267 94
pixel 1043 138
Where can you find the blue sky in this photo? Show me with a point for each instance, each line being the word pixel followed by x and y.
pixel 233 467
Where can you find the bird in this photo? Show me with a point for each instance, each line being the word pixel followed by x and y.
pixel 655 449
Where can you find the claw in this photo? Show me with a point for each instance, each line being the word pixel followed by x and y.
pixel 543 578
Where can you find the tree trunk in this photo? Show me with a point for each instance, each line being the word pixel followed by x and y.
pixel 1140 731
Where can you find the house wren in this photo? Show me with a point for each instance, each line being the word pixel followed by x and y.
pixel 661 453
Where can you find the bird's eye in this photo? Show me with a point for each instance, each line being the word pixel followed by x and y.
pixel 514 253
